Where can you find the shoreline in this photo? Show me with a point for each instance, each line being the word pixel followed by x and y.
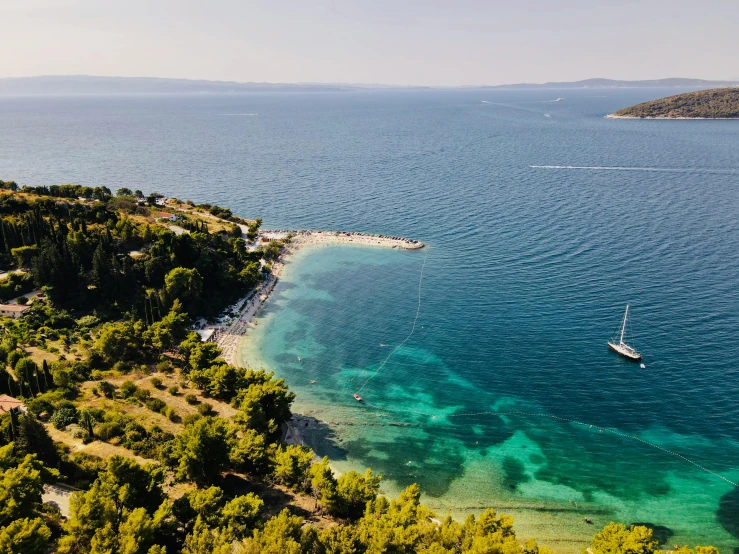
pixel 614 116
pixel 239 318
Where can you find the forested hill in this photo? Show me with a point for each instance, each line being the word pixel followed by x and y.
pixel 722 103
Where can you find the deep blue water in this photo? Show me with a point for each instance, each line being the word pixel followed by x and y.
pixel 527 274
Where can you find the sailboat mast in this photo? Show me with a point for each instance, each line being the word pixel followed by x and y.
pixel 623 327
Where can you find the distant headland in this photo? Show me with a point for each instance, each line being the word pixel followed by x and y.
pixel 721 103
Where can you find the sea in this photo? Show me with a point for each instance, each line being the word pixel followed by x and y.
pixel 482 358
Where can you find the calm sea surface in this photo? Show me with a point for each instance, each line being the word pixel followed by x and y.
pixel 505 395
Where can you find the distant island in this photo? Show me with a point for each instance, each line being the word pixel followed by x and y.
pixel 722 103
pixel 613 83
pixel 92 84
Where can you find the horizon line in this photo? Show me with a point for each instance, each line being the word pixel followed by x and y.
pixel 361 84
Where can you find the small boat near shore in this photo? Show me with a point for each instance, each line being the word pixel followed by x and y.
pixel 357 397
pixel 621 347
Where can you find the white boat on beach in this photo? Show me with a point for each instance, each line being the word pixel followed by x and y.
pixel 621 347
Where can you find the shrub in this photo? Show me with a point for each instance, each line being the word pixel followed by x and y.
pixel 108 389
pixel 155 405
pixel 43 403
pixel 191 399
pixel 190 419
pixel 205 409
pixel 88 321
pixel 64 416
pixel 123 367
pixel 108 430
pixel 13 357
pixel 169 413
pixel 156 382
pixel 173 390
pixel 127 389
pixel 165 366
pixel 142 395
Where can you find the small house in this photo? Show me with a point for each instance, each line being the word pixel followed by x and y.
pixel 167 216
pixel 8 403
pixel 15 311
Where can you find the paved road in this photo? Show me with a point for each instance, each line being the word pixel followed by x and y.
pixel 58 495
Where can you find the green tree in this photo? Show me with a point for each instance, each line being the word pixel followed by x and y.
pixel 203 355
pixel 13 357
pixel 617 539
pixel 251 275
pixel 7 457
pixel 131 484
pixel 207 504
pixel 25 369
pixel 204 540
pixel 87 420
pixel 343 539
pixel 114 515
pixel 249 454
pixel 202 450
pixel 240 516
pixel 183 283
pixel 24 255
pixel 21 488
pixel 323 486
pixel 121 340
pixel 33 438
pixel 169 330
pixel 90 513
pixel 280 535
pixel 264 402
pixel 292 466
pixel 221 381
pixel 25 536
pixel 354 490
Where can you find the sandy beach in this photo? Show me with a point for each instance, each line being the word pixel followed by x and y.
pixel 231 329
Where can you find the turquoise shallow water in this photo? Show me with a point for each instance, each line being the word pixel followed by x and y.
pixel 527 273
pixel 524 462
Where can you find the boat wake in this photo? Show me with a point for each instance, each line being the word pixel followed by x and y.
pixel 658 169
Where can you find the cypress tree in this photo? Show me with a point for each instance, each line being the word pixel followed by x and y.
pixel 13 423
pixel 41 379
pixel 35 378
pixel 48 376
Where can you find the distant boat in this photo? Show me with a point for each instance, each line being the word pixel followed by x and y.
pixel 621 347
pixel 559 99
pixel 357 397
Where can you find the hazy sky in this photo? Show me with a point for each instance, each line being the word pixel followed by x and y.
pixel 430 42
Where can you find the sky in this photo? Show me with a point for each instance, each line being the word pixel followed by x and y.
pixel 400 42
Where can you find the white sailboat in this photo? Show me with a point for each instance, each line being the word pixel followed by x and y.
pixel 621 347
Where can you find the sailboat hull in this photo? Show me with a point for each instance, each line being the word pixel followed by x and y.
pixel 625 351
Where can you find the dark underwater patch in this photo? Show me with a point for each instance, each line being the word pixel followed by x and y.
pixel 514 472
pixel 728 512
pixel 659 532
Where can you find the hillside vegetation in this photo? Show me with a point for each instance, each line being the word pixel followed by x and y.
pixel 721 103
pixel 171 448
